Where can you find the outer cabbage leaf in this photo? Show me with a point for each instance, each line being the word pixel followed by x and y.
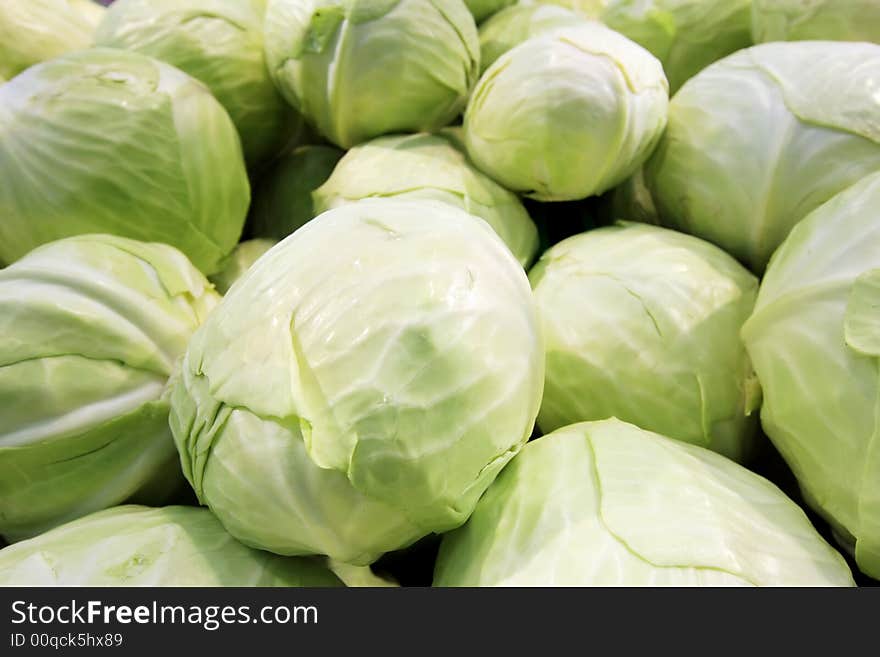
pixel 813 340
pixel 92 327
pixel 758 140
pixel 609 504
pixel 108 141
pixel 363 383
pixel 139 546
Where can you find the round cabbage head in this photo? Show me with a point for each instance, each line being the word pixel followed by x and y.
pixel 435 167
pixel 513 25
pixel 139 546
pixel 685 35
pixel 283 197
pixel 642 323
pixel 814 342
pixel 244 256
pixel 109 141
pixel 220 43
pixel 808 20
pixel 32 31
pixel 568 114
pixel 608 504
pixel 92 327
pixel 358 69
pixel 758 140
pixel 363 383
pixel 482 9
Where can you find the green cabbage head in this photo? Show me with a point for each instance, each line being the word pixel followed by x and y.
pixel 358 69
pixel 363 383
pixel 92 327
pixel 642 323
pixel 814 342
pixel 424 166
pixel 283 196
pixel 567 114
pixel 608 504
pixel 220 43
pixel 109 141
pixel 758 140
pixel 685 35
pixel 807 20
pixel 139 546
pixel 32 31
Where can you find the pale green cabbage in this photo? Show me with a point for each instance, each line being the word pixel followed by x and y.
pixel 642 323
pixel 568 114
pixel 758 140
pixel 108 141
pixel 283 197
pixel 358 69
pixel 363 383
pixel 220 43
pixel 685 35
pixel 813 340
pixel 433 167
pixel 139 546
pixel 32 31
pixel 244 256
pixel 92 327
pixel 609 504
pixel 806 20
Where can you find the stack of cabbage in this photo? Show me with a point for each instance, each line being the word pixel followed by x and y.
pixel 293 285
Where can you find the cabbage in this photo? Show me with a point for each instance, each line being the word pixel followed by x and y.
pixel 429 167
pixel 568 114
pixel 361 69
pixel 758 140
pixel 283 197
pixel 363 383
pixel 609 504
pixel 92 327
pixel 813 340
pixel 642 323
pixel 107 141
pixel 220 43
pixel 139 546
